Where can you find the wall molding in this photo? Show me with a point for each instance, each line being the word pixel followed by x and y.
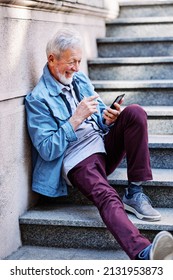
pixel 69 6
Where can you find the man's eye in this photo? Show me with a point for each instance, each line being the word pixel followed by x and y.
pixel 73 63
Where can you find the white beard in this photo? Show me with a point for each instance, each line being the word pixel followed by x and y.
pixel 64 80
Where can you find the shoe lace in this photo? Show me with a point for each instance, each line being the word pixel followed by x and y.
pixel 142 197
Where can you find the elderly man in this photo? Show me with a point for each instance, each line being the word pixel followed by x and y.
pixel 77 140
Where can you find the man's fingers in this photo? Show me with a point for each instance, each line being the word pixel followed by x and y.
pixel 91 98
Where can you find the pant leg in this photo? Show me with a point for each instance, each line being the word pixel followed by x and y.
pixel 90 178
pixel 129 136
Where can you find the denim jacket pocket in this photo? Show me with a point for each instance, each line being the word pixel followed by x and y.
pixel 61 114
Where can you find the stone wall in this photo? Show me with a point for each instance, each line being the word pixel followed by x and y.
pixel 25 27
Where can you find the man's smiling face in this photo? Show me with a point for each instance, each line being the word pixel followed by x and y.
pixel 63 68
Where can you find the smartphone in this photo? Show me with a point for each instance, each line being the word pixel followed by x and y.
pixel 117 100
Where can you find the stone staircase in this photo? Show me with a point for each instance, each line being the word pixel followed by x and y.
pixel 135 58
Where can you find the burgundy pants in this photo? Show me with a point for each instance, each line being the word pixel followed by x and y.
pixel 128 136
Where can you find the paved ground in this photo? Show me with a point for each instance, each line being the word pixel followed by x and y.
pixel 41 253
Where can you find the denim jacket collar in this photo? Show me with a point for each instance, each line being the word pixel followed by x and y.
pixel 51 84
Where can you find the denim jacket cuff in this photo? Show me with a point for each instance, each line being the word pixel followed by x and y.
pixel 70 133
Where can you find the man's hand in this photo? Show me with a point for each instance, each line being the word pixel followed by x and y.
pixel 85 108
pixel 110 115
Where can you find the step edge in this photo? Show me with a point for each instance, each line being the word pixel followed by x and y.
pixel 134 39
pixel 97 222
pixel 140 20
pixel 133 84
pixel 161 177
pixel 131 60
pixel 145 3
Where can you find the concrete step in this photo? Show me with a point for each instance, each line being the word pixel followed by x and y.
pixel 79 226
pixel 161 151
pixel 145 93
pixel 140 27
pixel 138 68
pixel 51 253
pixel 160 189
pixel 135 47
pixel 148 8
pixel 160 119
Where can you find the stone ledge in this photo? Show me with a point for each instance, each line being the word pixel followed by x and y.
pixel 69 6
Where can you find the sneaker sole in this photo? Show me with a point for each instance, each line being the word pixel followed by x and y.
pixel 162 247
pixel 139 215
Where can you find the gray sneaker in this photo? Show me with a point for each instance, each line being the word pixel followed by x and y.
pixel 162 247
pixel 140 205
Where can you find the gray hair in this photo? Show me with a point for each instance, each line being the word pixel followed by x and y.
pixel 64 39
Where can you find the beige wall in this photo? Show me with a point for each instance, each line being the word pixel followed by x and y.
pixel 25 27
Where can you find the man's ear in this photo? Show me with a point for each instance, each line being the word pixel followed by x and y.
pixel 51 59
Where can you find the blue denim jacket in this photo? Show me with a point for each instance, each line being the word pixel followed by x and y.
pixel 50 131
